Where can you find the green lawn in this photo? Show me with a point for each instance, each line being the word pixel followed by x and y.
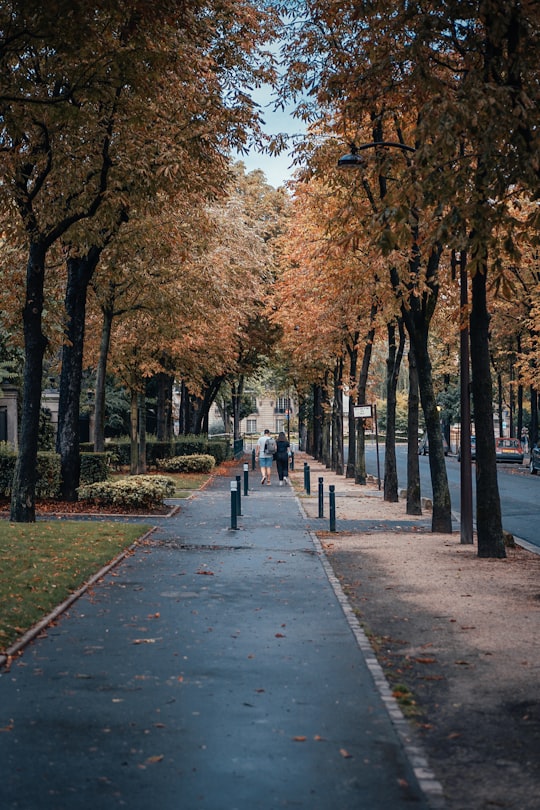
pixel 42 563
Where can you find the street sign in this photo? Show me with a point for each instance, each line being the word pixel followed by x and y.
pixel 362 411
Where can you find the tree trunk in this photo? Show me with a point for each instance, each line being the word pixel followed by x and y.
pixel 134 433
pixel 237 394
pixel 337 428
pixel 23 494
pixel 488 506
pixel 533 428
pixel 360 476
pixel 417 317
pixel 101 375
pixel 317 422
pixel 141 437
pixel 414 501
pixel 393 363
pixel 79 274
pixel 164 407
pixel 353 366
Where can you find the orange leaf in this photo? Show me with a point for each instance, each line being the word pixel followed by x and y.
pixel 345 754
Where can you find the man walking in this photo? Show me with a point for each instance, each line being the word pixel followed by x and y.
pixel 266 447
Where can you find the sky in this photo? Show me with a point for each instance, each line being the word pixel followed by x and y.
pixel 277 168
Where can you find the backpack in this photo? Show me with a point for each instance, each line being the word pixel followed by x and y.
pixel 270 446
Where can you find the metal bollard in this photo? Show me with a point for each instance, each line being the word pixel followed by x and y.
pixel 253 459
pixel 292 459
pixel 321 497
pixel 246 479
pixel 238 496
pixel 332 508
pixel 234 504
pixel 308 479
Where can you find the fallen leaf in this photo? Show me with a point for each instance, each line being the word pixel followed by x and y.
pixel 426 660
pixel 280 635
pixel 145 640
pixel 345 754
pixel 299 739
pixel 155 758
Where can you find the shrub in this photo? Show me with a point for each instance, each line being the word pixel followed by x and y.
pixel 137 491
pixel 94 467
pixel 220 449
pixel 48 473
pixel 188 464
pixel 49 479
pixel 7 468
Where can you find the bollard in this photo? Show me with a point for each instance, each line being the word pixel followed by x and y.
pixel 246 479
pixel 292 459
pixel 234 503
pixel 332 508
pixel 305 468
pixel 238 497
pixel 253 459
pixel 321 497
pixel 308 480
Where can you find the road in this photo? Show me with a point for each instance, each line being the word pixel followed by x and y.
pixel 519 490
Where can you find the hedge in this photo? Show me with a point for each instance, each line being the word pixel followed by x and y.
pixel 120 449
pixel 94 467
pixel 203 463
pixel 137 491
pixel 48 473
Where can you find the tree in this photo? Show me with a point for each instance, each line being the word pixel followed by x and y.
pixel 150 90
pixel 459 87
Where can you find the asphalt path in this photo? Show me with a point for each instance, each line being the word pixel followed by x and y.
pixel 519 490
pixel 212 668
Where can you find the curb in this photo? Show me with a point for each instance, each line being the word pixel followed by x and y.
pixel 37 628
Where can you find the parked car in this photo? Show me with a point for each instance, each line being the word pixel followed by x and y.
pixel 508 450
pixel 423 446
pixel 473 450
pixel 534 463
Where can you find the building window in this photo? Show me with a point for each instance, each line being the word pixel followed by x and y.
pixel 280 424
pixel 282 404
pixel 251 426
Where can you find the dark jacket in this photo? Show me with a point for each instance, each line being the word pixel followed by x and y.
pixel 282 451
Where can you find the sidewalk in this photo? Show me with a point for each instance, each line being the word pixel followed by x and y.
pixel 213 669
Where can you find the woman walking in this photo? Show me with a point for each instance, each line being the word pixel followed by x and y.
pixel 282 458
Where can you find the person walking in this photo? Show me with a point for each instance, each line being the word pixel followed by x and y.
pixel 264 451
pixel 282 458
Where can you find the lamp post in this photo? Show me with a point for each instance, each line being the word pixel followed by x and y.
pixel 354 160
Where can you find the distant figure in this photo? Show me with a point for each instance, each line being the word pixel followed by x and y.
pixel 282 458
pixel 525 440
pixel 266 447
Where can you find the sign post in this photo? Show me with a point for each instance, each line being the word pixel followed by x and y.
pixel 370 412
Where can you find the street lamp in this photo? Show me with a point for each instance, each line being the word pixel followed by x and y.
pixel 353 160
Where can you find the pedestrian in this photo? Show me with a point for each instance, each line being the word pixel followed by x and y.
pixel 266 447
pixel 282 458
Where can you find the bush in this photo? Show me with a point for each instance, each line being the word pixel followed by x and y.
pixel 188 464
pixel 7 468
pixel 49 479
pixel 48 473
pixel 94 467
pixel 137 491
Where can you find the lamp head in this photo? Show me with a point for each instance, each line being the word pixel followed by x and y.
pixel 351 160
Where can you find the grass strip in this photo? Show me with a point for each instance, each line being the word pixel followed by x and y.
pixel 42 563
